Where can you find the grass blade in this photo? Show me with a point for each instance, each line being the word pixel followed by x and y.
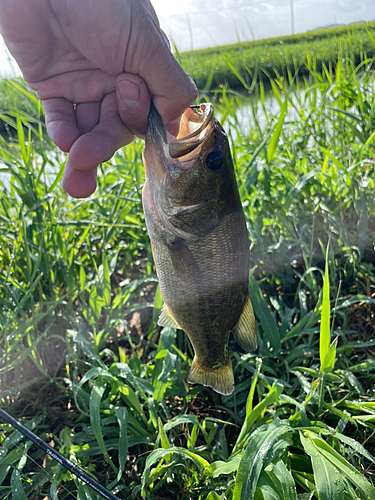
pixel 122 418
pixel 276 135
pixel 96 395
pixel 325 330
pixel 255 413
pixel 233 69
pixel 283 480
pixel 269 326
pixel 159 455
pixel 339 466
pixel 329 482
pixel 255 459
pixel 329 358
pixel 17 488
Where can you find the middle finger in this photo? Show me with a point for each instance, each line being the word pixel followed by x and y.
pixel 87 116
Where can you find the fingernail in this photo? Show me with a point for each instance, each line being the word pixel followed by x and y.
pixel 129 93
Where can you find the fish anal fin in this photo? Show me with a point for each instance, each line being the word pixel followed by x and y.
pixel 166 318
pixel 245 330
pixel 183 260
pixel 220 379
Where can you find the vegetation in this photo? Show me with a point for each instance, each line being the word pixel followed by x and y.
pixel 84 365
pixel 242 63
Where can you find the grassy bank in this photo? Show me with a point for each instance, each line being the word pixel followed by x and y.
pixel 84 364
pixel 238 65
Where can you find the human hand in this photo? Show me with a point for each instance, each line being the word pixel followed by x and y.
pixel 95 65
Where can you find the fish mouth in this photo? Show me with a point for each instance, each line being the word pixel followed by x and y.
pixel 165 153
pixel 195 126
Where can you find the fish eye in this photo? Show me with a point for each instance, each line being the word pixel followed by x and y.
pixel 214 160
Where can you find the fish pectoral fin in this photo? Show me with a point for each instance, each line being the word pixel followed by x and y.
pixel 220 379
pixel 166 318
pixel 245 330
pixel 183 260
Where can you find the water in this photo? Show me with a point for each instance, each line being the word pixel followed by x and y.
pixel 243 105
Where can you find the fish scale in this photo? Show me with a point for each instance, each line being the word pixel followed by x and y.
pixel 220 286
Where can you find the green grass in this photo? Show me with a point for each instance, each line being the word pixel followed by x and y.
pixel 301 421
pixel 239 65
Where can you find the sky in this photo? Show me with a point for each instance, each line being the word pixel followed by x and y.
pixel 220 22
pixel 227 21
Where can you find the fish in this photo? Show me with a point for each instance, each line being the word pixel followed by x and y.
pixel 199 241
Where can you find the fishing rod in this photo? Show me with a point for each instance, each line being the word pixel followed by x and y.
pixel 74 469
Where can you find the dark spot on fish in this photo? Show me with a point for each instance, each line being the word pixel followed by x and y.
pixel 214 160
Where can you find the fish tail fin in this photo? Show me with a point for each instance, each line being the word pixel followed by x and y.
pixel 245 330
pixel 220 379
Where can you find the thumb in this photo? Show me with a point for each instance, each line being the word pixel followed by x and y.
pixel 133 101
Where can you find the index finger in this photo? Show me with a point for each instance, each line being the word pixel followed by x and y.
pixel 172 89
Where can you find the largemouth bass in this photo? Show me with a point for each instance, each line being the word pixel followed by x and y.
pixel 199 240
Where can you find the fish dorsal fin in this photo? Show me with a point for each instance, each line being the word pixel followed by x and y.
pixel 166 318
pixel 245 331
pixel 183 261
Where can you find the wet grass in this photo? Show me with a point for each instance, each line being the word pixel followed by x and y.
pixel 84 365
